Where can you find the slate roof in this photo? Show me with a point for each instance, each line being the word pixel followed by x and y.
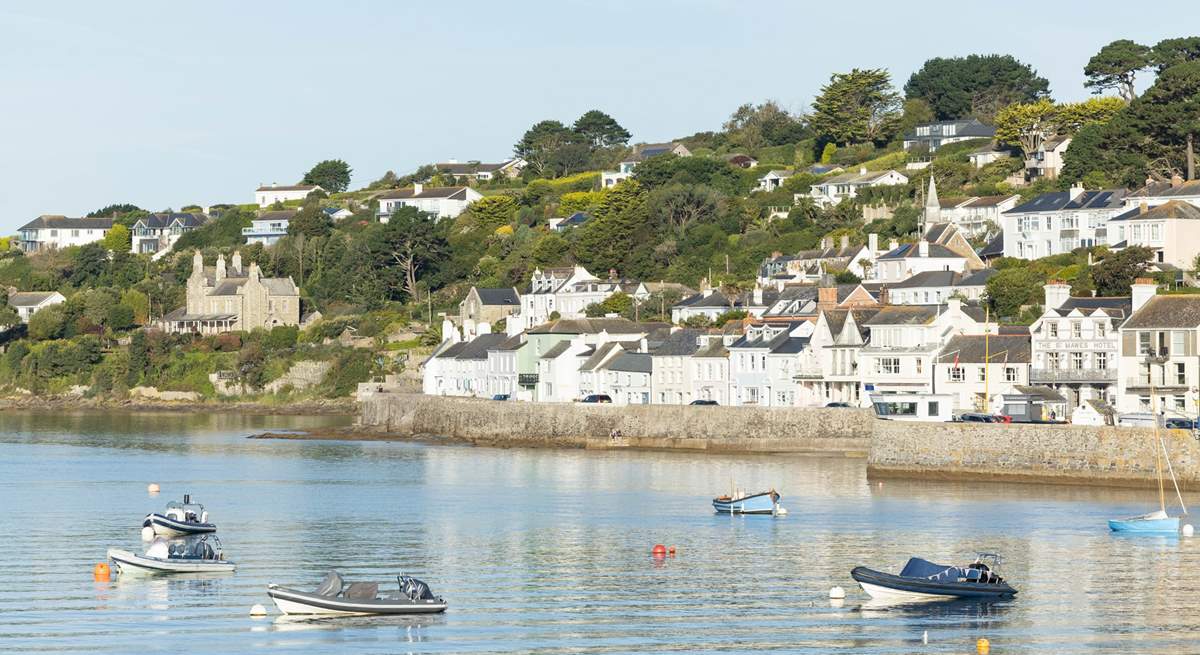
pixel 936 251
pixel 502 296
pixel 1166 190
pixel 970 128
pixel 1045 393
pixel 1166 312
pixel 978 278
pixel 946 279
pixel 632 363
pixel 478 347
pixel 512 343
pixel 594 326
pixel 469 167
pixel 556 350
pixel 920 314
pixel 994 248
pixel 679 343
pixel 29 298
pixel 1172 209
pixel 987 201
pixel 1118 306
pixel 164 220
pixel 455 192
pixel 718 299
pixel 288 187
pixel 601 352
pixel 791 346
pixel 715 348
pixel 278 286
pixel 971 349
pixel 63 223
pixel 452 351
pixel 1059 200
pixel 854 178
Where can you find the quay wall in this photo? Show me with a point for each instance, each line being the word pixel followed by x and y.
pixel 1067 454
pixel 729 429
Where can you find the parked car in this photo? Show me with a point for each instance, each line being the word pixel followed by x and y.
pixel 973 417
pixel 838 405
pixel 704 402
pixel 1181 424
pixel 500 396
pixel 596 398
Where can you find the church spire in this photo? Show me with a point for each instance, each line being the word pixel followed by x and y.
pixel 933 208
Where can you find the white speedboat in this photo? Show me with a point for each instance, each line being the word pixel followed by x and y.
pixel 333 596
pixel 180 520
pixel 201 555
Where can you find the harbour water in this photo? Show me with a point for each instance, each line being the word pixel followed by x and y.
pixel 549 551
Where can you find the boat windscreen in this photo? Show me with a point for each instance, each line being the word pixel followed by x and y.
pixel 331 585
pixel 919 568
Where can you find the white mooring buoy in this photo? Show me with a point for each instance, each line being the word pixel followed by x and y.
pixel 1188 530
pixel 837 592
pixel 152 488
pixel 147 533
pixel 258 610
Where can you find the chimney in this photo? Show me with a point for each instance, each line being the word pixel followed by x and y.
pixel 1176 181
pixel 825 243
pixel 1143 207
pixel 705 288
pixel 418 188
pixel 237 262
pixel 893 244
pixel 1057 293
pixel 826 298
pixel 758 300
pixel 953 305
pixel 220 267
pixel 923 248
pixel 1076 190
pixel 845 241
pixel 884 296
pixel 1143 289
pixel 254 272
pixel 873 243
pixel 197 262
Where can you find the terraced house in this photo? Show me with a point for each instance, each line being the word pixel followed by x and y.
pixel 1076 345
pixel 1159 368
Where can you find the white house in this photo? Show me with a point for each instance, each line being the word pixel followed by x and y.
pixel 28 303
pixel 711 303
pixel 1076 344
pixel 936 287
pixel 53 232
pixel 1171 230
pixel 157 233
pixel 1060 221
pixel 975 368
pixel 847 185
pixel 441 202
pixel 710 367
pixel 773 179
pixel 812 265
pixel 905 340
pixel 1047 160
pixel 502 369
pixel 1156 193
pixel 629 378
pixel 673 366
pixel 269 227
pixel 1159 369
pixel 762 364
pixel 337 213
pixel 569 291
pixel 933 135
pixel 265 196
pixel 986 155
pixel 828 368
pixel 475 171
pixel 641 153
pixel 907 260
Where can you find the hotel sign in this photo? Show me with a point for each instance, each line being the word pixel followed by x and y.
pixel 1076 344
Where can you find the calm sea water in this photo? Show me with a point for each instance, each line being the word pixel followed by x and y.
pixel 543 551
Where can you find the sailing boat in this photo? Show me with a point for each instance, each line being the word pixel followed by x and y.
pixel 1155 522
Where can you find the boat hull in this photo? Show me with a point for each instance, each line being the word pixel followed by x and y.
pixel 128 562
pixel 757 504
pixel 292 601
pixel 1137 525
pixel 169 527
pixel 887 587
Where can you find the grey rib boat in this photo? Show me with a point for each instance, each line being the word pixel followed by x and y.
pixel 334 596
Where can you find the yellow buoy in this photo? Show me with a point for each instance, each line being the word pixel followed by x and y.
pixel 152 488
pixel 101 572
pixel 983 646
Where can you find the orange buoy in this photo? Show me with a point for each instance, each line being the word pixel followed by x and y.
pixel 671 550
pixel 983 646
pixel 101 572
pixel 659 550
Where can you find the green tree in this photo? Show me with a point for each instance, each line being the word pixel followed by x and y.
pixel 118 238
pixel 114 211
pixel 1169 52
pixel 678 206
pixel 139 358
pixel 1115 273
pixel 1027 125
pixel 975 85
pixel 252 366
pixel 856 107
pixel 754 126
pixel 89 264
pixel 620 303
pixel 333 175
pixel 119 317
pixel 828 152
pixel 1169 114
pixel 1011 288
pixel 492 212
pixel 550 250
pixel 1116 66
pixel 310 221
pixel 601 130
pixel 47 323
pixel 410 243
pixel 540 143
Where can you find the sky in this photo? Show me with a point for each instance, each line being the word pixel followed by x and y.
pixel 166 104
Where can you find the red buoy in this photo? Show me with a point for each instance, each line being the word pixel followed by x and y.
pixel 659 550
pixel 671 550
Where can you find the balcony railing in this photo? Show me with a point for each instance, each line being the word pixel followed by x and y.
pixel 808 374
pixel 527 379
pixel 1072 375
pixel 1141 382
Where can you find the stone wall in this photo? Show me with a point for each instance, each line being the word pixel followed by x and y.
pixel 741 429
pixel 1070 454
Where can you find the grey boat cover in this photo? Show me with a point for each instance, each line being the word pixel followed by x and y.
pixel 362 591
pixel 331 585
pixel 920 568
pixel 415 589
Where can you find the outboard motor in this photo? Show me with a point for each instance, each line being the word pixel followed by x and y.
pixel 414 588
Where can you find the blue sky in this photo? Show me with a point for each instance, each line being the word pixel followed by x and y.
pixel 164 104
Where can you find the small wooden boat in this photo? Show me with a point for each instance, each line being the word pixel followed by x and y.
pixel 766 502
pixel 202 555
pixel 922 580
pixel 333 596
pixel 180 520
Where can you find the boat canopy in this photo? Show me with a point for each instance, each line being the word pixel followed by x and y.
pixel 920 568
pixel 331 585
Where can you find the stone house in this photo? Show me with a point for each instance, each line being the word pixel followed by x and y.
pixel 225 298
pixel 486 306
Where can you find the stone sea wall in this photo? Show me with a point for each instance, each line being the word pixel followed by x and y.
pixel 740 429
pixel 1069 454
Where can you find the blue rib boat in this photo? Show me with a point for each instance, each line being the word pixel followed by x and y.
pixel 922 580
pixel 766 502
pixel 1152 523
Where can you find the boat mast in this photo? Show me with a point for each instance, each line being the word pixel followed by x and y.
pixel 1162 497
